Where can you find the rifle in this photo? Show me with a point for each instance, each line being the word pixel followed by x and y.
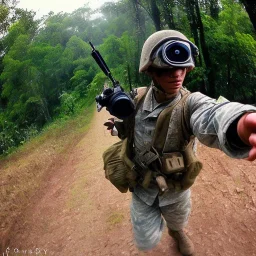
pixel 116 101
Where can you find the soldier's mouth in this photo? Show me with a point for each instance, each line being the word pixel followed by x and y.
pixel 176 82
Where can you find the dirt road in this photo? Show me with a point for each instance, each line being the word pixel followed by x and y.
pixel 78 212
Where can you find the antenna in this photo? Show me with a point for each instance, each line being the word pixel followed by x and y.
pixel 102 64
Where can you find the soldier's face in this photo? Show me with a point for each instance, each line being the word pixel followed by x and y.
pixel 170 80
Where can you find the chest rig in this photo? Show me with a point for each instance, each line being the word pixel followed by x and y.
pixel 169 167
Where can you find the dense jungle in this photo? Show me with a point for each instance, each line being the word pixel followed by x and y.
pixel 48 74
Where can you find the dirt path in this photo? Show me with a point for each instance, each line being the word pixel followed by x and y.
pixel 80 213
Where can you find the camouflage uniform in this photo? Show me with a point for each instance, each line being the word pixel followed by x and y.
pixel 209 122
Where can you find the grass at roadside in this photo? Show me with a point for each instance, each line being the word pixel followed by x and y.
pixel 22 172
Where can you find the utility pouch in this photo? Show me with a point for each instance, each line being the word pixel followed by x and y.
pixel 184 179
pixel 172 163
pixel 193 166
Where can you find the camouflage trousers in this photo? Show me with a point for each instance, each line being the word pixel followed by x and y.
pixel 149 221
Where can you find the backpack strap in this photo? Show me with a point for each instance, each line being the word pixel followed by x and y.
pixel 140 94
pixel 130 122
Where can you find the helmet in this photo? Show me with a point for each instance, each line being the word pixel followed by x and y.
pixel 168 49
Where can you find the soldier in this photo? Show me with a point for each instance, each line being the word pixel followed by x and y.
pixel 165 170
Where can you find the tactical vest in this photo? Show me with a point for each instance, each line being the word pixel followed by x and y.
pixel 168 164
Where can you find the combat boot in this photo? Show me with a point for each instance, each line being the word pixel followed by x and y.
pixel 185 245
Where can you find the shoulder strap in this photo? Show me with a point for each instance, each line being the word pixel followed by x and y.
pixel 130 122
pixel 186 129
pixel 163 121
pixel 140 94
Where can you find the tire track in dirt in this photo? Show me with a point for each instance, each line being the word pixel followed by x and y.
pixel 80 213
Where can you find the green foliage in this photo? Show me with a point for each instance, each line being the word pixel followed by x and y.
pixel 195 80
pixel 11 135
pixel 7 16
pixel 4 12
pixel 47 71
pixel 67 106
pixel 232 50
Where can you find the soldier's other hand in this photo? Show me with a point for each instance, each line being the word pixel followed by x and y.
pixel 110 124
pixel 246 129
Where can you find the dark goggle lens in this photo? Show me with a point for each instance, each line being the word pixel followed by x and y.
pixel 177 52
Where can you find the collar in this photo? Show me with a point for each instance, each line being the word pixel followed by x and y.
pixel 150 103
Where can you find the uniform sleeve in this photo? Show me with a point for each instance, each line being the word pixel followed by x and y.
pixel 210 122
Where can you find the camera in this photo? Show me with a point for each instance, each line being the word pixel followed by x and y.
pixel 116 101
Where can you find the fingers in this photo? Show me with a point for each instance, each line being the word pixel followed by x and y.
pixel 252 153
pixel 114 132
pixel 110 124
pixel 252 139
pixel 246 126
pixel 250 121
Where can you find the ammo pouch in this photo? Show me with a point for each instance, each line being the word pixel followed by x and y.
pixel 172 163
pixel 193 166
pixel 182 180
pixel 118 167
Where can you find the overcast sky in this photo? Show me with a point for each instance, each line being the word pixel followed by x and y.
pixel 43 7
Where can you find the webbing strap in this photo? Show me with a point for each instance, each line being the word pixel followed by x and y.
pixel 130 122
pixel 163 121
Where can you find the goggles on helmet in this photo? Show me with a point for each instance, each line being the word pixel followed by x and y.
pixel 173 54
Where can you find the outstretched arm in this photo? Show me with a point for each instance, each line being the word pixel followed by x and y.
pixel 216 125
pixel 246 129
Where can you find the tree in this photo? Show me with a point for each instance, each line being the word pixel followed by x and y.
pixel 6 15
pixel 168 14
pixel 232 51
pixel 25 24
pixel 211 7
pixel 197 28
pixel 152 8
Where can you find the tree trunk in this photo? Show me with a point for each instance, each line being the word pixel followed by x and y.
pixel 250 7
pixel 205 51
pixel 214 9
pixel 140 31
pixel 193 24
pixel 155 15
pixel 45 110
pixel 168 13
